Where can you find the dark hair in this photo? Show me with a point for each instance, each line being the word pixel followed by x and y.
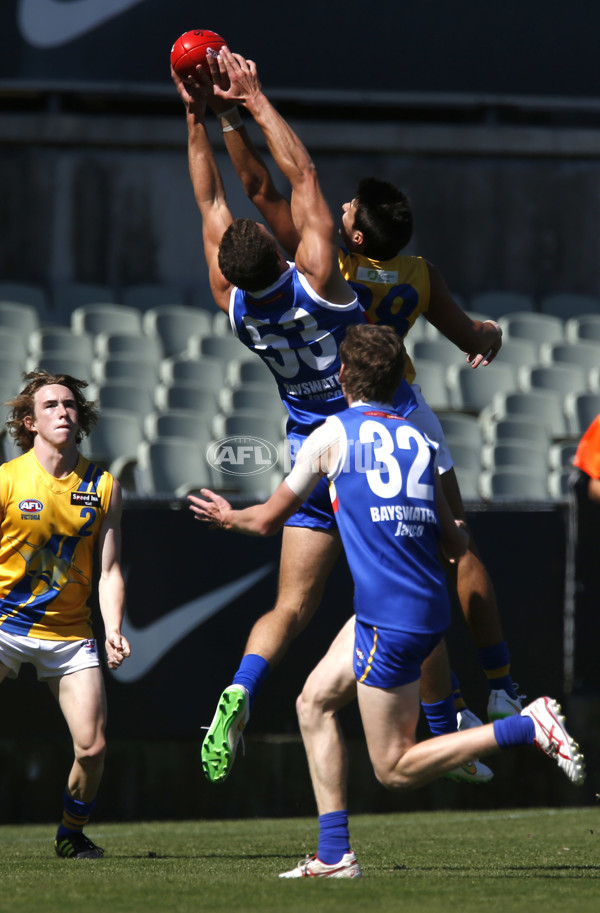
pixel 23 406
pixel 384 216
pixel 248 256
pixel 373 357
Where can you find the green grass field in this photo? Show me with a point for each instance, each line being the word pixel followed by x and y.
pixel 528 860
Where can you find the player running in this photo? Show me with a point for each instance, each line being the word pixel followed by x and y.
pixel 390 511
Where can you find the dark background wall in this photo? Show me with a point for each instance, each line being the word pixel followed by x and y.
pixel 531 47
pixel 487 116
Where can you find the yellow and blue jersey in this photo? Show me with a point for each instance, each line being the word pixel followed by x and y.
pixel 49 528
pixel 393 291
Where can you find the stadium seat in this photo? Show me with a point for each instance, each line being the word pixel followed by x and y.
pixel 122 368
pixel 585 327
pixel 421 329
pixel 11 371
pixel 59 340
pixel 106 318
pixel 513 484
pixel 468 483
pixel 174 325
pixel 465 456
pixel 471 390
pixel 538 328
pixel 431 377
pixel 227 347
pixel 440 350
pixel 560 455
pixel 207 372
pixel 462 427
pixel 514 428
pixel 581 409
pixel 192 397
pixel 181 423
pixel 248 372
pixel 255 397
pixel 221 325
pixel 251 424
pixel 584 354
pixel 496 304
pixel 567 304
pixel 517 352
pixel 20 316
pixel 137 346
pixel 73 364
pixel 14 345
pixel 146 295
pixel 124 395
pixel 563 378
pixel 516 453
pixel 113 443
pixel 541 407
pixel 172 466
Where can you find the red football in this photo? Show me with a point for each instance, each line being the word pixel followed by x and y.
pixel 190 50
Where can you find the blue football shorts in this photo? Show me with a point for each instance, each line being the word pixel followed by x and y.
pixel 384 658
pixel 317 510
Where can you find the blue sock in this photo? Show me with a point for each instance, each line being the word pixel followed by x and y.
pixel 75 816
pixel 514 731
pixel 495 662
pixel 252 672
pixel 334 837
pixel 441 716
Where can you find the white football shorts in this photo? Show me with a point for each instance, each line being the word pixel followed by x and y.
pixel 51 658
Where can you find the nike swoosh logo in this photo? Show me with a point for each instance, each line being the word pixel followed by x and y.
pixel 50 23
pixel 151 643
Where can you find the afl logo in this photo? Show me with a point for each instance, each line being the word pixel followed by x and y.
pixel 31 506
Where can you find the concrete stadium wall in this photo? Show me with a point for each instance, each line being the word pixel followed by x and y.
pixel 107 199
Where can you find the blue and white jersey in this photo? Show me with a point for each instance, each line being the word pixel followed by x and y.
pixel 383 494
pixel 298 334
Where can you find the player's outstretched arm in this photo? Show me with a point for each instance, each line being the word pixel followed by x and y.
pixel 250 166
pixel 318 453
pixel 481 340
pixel 259 520
pixel 316 255
pixel 111 586
pixel 208 185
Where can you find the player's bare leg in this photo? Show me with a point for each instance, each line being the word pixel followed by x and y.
pixel 389 718
pixel 307 559
pixel 82 700
pixel 436 683
pixel 83 703
pixel 330 686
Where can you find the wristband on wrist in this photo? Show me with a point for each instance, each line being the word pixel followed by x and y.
pixel 231 119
